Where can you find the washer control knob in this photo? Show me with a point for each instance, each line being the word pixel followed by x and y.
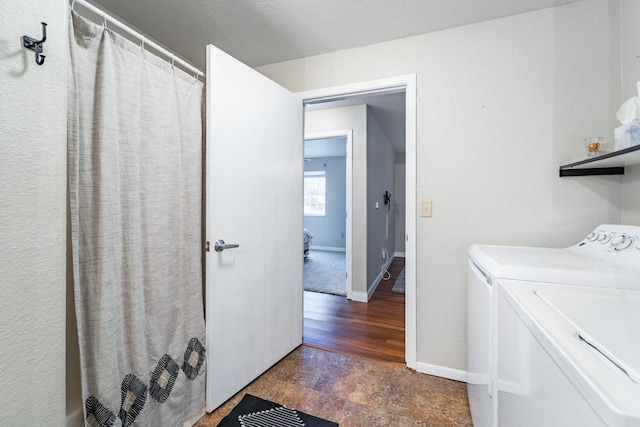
pixel 592 237
pixel 622 242
pixel 604 238
pixel 618 240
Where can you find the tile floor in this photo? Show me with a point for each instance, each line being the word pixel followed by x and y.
pixel 356 392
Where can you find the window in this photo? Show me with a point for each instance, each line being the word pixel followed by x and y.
pixel 315 184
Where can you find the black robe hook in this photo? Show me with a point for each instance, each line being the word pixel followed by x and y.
pixel 36 45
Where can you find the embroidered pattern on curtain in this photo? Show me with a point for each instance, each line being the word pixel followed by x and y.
pixel 135 187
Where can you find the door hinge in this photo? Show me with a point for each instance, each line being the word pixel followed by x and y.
pixel 207 246
pixel 346 275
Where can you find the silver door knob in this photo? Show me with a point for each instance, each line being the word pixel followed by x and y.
pixel 220 245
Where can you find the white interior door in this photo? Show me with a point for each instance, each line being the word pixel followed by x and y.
pixel 254 199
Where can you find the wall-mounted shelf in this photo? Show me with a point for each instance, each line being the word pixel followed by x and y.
pixel 604 164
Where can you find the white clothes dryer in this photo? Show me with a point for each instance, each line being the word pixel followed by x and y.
pixel 567 355
pixel 608 257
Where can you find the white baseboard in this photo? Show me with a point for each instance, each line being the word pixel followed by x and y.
pixel 327 248
pixel 359 296
pixel 399 255
pixel 374 286
pixel 442 371
pixel 362 297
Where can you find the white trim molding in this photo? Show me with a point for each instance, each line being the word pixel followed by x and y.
pixel 381 86
pixel 411 189
pixel 374 285
pixel 398 84
pixel 398 255
pixel 348 134
pixel 442 371
pixel 365 297
pixel 359 296
pixel 327 248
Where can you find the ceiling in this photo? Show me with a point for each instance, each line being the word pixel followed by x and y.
pixel 325 147
pixel 388 109
pixel 260 32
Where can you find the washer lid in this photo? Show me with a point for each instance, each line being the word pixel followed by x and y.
pixel 571 266
pixel 607 323
pixel 558 315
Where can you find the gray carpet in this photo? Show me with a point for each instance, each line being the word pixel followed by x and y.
pixel 398 287
pixel 324 271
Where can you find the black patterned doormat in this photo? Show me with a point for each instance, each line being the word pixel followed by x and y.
pixel 253 411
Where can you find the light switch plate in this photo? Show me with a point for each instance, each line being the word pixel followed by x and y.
pixel 425 208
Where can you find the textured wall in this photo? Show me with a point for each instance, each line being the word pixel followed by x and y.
pixel 32 214
pixel 631 196
pixel 354 118
pixel 400 201
pixel 329 230
pixel 381 161
pixel 630 49
pixel 501 104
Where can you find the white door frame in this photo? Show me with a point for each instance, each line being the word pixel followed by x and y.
pixel 407 84
pixel 348 134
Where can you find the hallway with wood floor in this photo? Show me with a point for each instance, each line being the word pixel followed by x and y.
pixel 373 330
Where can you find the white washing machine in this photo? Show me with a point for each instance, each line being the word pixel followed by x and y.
pixel 568 355
pixel 608 257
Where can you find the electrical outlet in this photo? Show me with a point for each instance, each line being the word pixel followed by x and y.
pixel 425 209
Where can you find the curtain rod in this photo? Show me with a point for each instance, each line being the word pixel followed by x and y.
pixel 144 40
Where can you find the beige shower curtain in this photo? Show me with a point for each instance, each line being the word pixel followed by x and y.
pixel 135 188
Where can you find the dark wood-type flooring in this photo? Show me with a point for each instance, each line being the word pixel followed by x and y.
pixel 373 330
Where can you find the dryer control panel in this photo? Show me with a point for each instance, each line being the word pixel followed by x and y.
pixel 613 238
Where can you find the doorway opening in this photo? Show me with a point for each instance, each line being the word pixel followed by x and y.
pixel 383 227
pixel 327 207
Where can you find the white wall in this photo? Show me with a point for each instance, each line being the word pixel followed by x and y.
pixel 32 214
pixel 630 49
pixel 329 230
pixel 380 178
pixel 400 201
pixel 631 196
pixel 501 104
pixel 354 118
